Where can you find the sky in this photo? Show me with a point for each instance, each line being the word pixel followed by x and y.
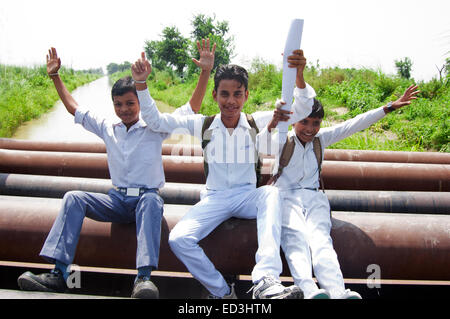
pixel 346 33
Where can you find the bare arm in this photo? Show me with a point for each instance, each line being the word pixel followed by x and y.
pixel 206 63
pixel 298 60
pixel 53 65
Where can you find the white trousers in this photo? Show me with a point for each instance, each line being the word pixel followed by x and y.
pixel 214 208
pixel 306 241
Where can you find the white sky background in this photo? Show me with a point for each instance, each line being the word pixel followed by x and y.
pixel 346 33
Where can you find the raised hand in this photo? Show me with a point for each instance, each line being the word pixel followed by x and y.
pixel 206 61
pixel 53 62
pixel 407 97
pixel 279 115
pixel 141 69
pixel 297 60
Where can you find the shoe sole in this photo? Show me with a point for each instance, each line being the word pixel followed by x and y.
pixel 145 294
pixel 27 283
pixel 145 291
pixel 297 294
pixel 321 296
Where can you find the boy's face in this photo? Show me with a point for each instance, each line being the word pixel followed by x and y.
pixel 230 96
pixel 127 108
pixel 307 129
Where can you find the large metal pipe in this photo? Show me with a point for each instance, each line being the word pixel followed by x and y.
pixel 189 194
pixel 52 146
pixel 386 176
pixel 409 247
pixel 189 169
pixel 196 150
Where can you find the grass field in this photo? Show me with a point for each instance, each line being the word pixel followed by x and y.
pixel 26 93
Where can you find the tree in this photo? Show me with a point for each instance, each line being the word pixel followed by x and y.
pixel 404 67
pixel 114 67
pixel 152 49
pixel 171 50
pixel 206 27
pixel 175 51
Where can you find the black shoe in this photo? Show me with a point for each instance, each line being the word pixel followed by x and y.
pixel 47 282
pixel 144 289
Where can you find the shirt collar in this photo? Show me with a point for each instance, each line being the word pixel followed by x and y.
pixel 297 140
pixel 136 125
pixel 217 122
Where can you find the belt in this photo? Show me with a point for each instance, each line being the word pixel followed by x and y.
pixel 133 191
pixel 308 188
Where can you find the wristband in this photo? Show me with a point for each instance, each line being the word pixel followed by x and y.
pixel 53 74
pixel 140 82
pixel 390 108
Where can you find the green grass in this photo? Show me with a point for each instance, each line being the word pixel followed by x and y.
pixel 26 93
pixel 422 126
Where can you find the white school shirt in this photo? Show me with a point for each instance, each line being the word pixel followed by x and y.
pixel 134 156
pixel 231 157
pixel 302 170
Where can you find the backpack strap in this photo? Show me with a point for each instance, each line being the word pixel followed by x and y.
pixel 253 133
pixel 285 157
pixel 286 154
pixel 206 138
pixel 317 147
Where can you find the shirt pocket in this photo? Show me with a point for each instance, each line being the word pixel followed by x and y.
pixel 148 151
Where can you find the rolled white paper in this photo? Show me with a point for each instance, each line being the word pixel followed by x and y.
pixel 293 42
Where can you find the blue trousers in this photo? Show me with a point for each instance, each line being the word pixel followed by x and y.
pixel 145 210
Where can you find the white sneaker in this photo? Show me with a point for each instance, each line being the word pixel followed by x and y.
pixel 319 294
pixel 350 294
pixel 270 288
pixel 231 295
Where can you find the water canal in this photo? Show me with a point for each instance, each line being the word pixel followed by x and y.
pixel 58 124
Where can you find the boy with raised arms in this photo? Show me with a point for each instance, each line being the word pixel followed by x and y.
pixel 135 165
pixel 231 180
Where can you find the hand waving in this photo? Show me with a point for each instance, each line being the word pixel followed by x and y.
pixel 407 97
pixel 206 61
pixel 53 62
pixel 141 69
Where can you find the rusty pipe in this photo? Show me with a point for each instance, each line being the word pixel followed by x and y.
pixel 196 150
pixel 189 194
pixel 52 146
pixel 189 169
pixel 408 247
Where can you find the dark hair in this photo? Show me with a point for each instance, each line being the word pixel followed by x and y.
pixel 123 86
pixel 231 72
pixel 317 110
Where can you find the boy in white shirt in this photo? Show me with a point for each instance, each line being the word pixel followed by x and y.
pixel 136 169
pixel 306 218
pixel 231 180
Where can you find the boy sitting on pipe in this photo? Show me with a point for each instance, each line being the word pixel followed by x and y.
pixel 135 166
pixel 231 191
pixel 306 217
